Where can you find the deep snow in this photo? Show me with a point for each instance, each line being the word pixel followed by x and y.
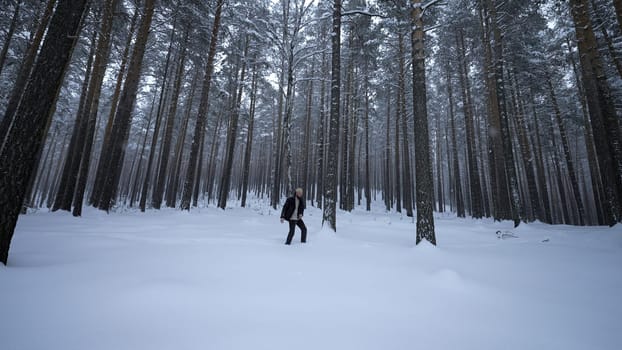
pixel 213 279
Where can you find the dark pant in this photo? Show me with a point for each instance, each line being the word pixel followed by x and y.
pixel 292 228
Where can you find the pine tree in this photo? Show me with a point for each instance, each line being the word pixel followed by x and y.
pixel 424 183
pixel 330 180
pixel 25 138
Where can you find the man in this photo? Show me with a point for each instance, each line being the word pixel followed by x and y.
pixel 293 209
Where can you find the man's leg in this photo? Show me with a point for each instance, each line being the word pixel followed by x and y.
pixel 303 231
pixel 290 235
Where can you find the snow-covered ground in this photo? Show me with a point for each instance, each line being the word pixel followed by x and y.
pixel 214 279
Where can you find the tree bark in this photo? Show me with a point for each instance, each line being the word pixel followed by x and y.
pixel 330 188
pixel 605 123
pixel 424 183
pixel 406 176
pixel 25 139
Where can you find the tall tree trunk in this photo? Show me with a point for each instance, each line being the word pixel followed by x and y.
pixel 232 134
pixel 86 135
pixel 367 157
pixel 597 188
pixel 280 132
pixel 158 124
pixel 504 117
pixel 307 138
pixel 540 165
pixel 345 137
pixel 425 185
pixel 398 173
pixel 321 135
pixel 475 187
pixel 25 139
pixel 330 188
pixel 566 148
pixel 211 166
pixel 439 167
pixel 199 129
pixel 104 159
pixel 605 123
pixel 526 152
pixel 249 136
pixel 158 191
pixel 123 117
pixel 454 149
pixel 499 178
pixel 199 169
pixel 174 181
pixel 407 176
pixel 137 175
pixel 67 186
pixel 388 188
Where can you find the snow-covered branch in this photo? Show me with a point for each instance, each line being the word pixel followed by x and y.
pixel 362 12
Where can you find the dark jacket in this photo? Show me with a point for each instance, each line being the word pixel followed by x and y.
pixel 290 206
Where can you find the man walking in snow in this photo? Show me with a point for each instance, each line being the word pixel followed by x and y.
pixel 292 211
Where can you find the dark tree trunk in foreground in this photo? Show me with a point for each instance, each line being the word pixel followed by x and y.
pixel 199 129
pixel 603 117
pixel 330 183
pixel 25 139
pixel 425 185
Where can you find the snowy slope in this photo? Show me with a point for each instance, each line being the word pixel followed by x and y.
pixel 214 279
